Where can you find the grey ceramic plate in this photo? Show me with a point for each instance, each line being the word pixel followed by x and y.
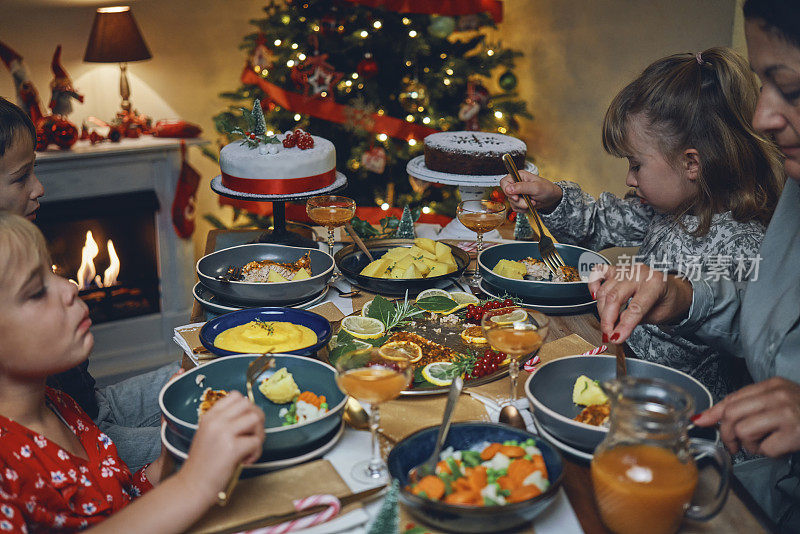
pixel 543 293
pixel 216 264
pixel 179 448
pixel 216 305
pixel 180 397
pixel 566 309
pixel 549 391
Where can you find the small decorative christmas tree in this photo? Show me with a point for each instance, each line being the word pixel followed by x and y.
pixel 522 228
pixel 259 124
pixel 388 519
pixel 405 229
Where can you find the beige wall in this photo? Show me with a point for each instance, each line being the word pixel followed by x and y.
pixel 578 54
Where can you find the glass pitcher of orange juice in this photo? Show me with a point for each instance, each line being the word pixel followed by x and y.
pixel 643 472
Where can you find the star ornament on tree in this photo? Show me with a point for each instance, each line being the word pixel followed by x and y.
pixel 316 75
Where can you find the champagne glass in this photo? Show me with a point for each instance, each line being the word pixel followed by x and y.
pixel 331 211
pixel 480 216
pixel 516 331
pixel 373 376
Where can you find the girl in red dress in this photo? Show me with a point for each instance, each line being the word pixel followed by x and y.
pixel 58 471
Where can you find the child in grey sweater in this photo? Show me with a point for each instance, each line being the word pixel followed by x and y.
pixel 705 186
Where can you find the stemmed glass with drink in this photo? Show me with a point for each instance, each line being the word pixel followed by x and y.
pixel 481 216
pixel 372 376
pixel 331 211
pixel 517 331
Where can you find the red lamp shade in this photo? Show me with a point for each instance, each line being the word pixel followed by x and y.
pixel 115 37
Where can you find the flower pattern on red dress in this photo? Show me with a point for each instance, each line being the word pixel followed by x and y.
pixel 43 487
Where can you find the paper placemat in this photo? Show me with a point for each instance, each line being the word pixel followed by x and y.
pixel 256 499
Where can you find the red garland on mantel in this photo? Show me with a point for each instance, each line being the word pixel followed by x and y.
pixel 438 7
pixel 327 109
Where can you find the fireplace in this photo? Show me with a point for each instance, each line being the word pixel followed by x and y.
pixel 120 192
pixel 107 247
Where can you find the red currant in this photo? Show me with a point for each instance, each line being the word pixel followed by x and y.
pixel 470 307
pixel 508 302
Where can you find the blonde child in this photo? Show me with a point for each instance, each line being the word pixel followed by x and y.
pixel 706 184
pixel 58 470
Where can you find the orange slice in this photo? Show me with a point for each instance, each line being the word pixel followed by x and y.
pixel 401 350
pixel 473 335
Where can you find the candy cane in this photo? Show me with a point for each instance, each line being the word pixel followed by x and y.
pixel 305 522
pixel 531 364
pixel 596 350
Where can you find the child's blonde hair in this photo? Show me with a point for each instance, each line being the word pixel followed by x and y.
pixel 20 242
pixel 706 102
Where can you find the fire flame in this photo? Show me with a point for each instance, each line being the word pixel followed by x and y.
pixel 87 272
pixel 110 274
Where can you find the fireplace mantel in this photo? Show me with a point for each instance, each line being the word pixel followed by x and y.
pixel 132 345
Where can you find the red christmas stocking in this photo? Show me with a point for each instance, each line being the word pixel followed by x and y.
pixel 183 205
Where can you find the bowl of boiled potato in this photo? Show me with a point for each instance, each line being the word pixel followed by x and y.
pixel 402 264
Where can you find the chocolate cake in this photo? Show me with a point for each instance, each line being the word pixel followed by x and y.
pixel 472 153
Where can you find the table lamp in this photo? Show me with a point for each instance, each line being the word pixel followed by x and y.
pixel 116 38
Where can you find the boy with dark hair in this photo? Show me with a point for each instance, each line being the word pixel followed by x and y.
pixel 128 411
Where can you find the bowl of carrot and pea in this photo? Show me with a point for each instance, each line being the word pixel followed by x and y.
pixel 489 478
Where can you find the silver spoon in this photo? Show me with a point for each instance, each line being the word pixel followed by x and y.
pixel 509 414
pixel 357 417
pixel 429 467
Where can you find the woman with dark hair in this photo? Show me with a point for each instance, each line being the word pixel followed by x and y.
pixel 760 321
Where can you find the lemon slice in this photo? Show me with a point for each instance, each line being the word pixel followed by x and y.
pixel 357 343
pixel 508 318
pixel 462 297
pixel 363 327
pixel 474 335
pixel 401 351
pixel 438 373
pixel 365 309
pixel 434 292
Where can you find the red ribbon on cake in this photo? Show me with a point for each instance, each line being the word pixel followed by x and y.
pixel 286 186
pixel 327 109
pixel 438 7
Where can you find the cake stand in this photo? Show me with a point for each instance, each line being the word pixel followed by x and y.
pixel 279 235
pixel 470 187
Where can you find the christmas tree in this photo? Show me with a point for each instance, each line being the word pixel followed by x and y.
pixel 376 81
pixel 405 230
pixel 522 228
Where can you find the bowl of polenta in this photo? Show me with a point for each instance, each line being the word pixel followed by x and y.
pixel 271 330
pixel 402 264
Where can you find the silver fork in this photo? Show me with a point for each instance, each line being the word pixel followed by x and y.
pixel 254 370
pixel 547 250
pixel 232 274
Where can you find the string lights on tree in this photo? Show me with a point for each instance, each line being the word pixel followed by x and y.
pixel 375 82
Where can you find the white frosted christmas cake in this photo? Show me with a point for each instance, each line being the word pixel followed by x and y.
pixel 294 162
pixel 472 153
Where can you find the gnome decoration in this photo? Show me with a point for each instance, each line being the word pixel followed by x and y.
pixel 61 87
pixel 27 95
pixel 476 99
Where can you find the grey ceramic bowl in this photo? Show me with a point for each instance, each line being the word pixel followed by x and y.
pixel 549 391
pixel 216 264
pixel 351 261
pixel 552 293
pixel 414 449
pixel 180 397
